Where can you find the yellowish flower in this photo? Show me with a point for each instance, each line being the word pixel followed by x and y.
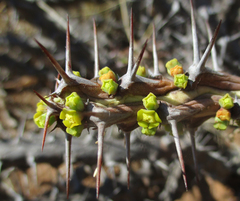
pixel 74 102
pixel 109 75
pixel 148 119
pixel 181 80
pixel 141 71
pixel 40 115
pixel 223 114
pixel 109 86
pixel 176 70
pixel 75 131
pixel 150 102
pixel 71 118
pixel 171 64
pixel 226 101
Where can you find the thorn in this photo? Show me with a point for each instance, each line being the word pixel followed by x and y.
pixel 68 143
pixel 57 66
pixel 101 130
pixel 49 104
pixel 45 127
pixel 155 56
pixel 214 51
pixel 130 54
pixel 128 160
pixel 96 53
pixel 135 68
pixel 179 150
pixel 204 58
pixel 1 163
pixel 68 65
pixel 174 9
pixel 95 172
pixel 195 70
pixel 57 81
pixel 196 54
pixel 193 143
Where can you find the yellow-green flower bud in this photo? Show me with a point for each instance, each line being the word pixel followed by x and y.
pixel 141 71
pixel 75 131
pixel 40 115
pixel 71 118
pixel 41 107
pixel 150 102
pixel 109 86
pixel 40 118
pixel 148 131
pixel 171 64
pixel 109 75
pixel 181 80
pixel 103 71
pixel 59 100
pixel 223 114
pixel 176 70
pixel 226 102
pixel 148 119
pixel 77 73
pixel 219 124
pixel 74 102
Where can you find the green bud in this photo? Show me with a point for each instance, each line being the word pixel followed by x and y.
pixel 59 100
pixel 148 131
pixel 40 118
pixel 226 102
pixel 171 64
pixel 181 80
pixel 103 71
pixel 148 119
pixel 71 118
pixel 74 102
pixel 40 115
pixel 150 102
pixel 219 124
pixel 75 131
pixel 41 107
pixel 109 86
pixel 77 73
pixel 141 71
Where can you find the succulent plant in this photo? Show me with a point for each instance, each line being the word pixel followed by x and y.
pixel 132 100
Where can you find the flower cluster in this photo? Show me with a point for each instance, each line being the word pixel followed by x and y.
pixel 148 118
pixel 175 69
pixel 71 114
pixel 223 115
pixel 108 79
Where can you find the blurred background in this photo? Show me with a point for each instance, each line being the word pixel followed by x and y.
pixel 27 173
